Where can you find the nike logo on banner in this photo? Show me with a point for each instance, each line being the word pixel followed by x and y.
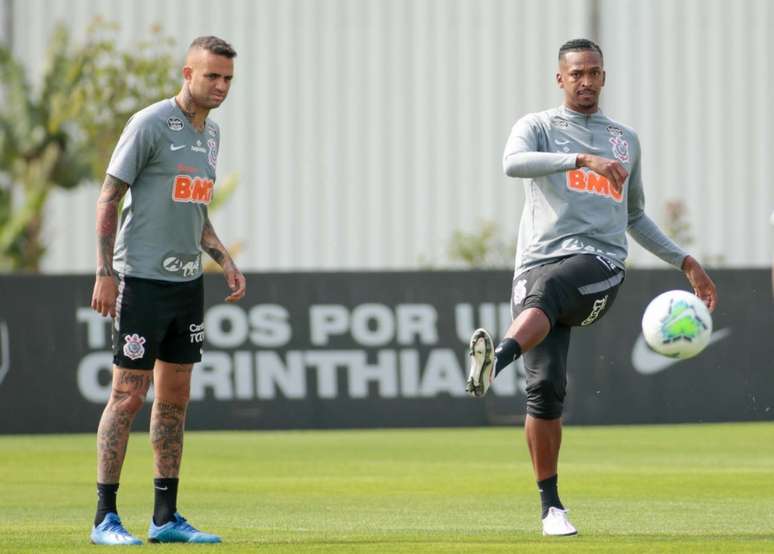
pixel 647 362
pixel 174 147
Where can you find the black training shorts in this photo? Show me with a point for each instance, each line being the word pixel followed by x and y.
pixel 158 320
pixel 574 291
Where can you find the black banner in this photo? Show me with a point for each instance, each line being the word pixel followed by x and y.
pixel 345 350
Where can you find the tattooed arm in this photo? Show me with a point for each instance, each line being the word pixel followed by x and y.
pixel 103 299
pixel 212 245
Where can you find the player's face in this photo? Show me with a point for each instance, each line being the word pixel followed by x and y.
pixel 209 78
pixel 582 77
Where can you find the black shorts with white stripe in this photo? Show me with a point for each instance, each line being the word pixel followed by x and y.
pixel 574 291
pixel 158 320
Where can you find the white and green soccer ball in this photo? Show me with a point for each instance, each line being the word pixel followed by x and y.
pixel 677 324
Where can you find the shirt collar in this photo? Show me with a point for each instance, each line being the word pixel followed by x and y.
pixel 571 114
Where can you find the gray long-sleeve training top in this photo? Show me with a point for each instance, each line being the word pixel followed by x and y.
pixel 571 210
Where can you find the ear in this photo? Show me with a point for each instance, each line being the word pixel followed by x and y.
pixel 604 77
pixel 559 81
pixel 187 72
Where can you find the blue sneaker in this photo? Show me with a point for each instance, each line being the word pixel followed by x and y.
pixel 110 531
pixel 179 530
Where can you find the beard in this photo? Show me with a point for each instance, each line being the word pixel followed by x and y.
pixel 208 101
pixel 202 99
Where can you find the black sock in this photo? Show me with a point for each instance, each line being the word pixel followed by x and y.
pixel 549 494
pixel 165 504
pixel 106 501
pixel 505 354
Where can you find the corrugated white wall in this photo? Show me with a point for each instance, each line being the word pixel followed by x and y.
pixel 365 132
pixel 694 78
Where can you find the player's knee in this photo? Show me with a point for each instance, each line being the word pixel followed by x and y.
pixel 545 399
pixel 127 402
pixel 177 393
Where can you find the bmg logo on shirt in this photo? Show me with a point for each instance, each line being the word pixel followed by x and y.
pixel 197 189
pixel 592 183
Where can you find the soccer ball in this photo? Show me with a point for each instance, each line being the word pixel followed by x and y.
pixel 677 324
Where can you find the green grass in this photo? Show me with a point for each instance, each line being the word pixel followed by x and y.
pixel 690 488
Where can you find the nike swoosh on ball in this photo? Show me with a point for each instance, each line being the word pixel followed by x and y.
pixel 647 362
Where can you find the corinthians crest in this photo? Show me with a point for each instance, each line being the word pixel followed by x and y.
pixel 134 349
pixel 620 148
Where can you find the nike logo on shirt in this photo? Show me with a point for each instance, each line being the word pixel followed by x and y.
pixel 174 147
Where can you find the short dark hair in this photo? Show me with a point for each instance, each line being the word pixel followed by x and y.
pixel 578 45
pixel 215 45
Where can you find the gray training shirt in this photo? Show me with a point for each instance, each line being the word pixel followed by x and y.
pixel 571 210
pixel 170 170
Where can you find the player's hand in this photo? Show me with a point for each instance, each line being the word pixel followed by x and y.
pixel 612 170
pixel 103 299
pixel 235 280
pixel 703 286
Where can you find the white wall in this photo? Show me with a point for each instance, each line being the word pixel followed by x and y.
pixel 694 78
pixel 365 132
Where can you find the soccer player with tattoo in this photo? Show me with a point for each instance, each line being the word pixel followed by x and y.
pixel 583 186
pixel 149 279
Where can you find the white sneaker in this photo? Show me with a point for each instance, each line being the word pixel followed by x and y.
pixel 481 363
pixel 556 524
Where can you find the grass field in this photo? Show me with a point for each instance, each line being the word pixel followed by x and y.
pixel 691 488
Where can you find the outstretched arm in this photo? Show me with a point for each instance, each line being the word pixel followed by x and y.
pixel 103 299
pixel 653 239
pixel 211 245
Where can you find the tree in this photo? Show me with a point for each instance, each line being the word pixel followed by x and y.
pixel 62 134
pixel 482 248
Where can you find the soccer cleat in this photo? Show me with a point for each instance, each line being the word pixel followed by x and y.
pixel 110 531
pixel 556 524
pixel 481 363
pixel 179 530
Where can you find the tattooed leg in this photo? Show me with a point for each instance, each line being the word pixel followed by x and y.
pixel 172 391
pixel 126 399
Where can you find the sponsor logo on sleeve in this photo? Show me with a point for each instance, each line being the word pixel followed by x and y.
pixel 134 348
pixel 175 123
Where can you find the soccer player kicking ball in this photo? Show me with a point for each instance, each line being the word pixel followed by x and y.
pixel 583 192
pixel 151 282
